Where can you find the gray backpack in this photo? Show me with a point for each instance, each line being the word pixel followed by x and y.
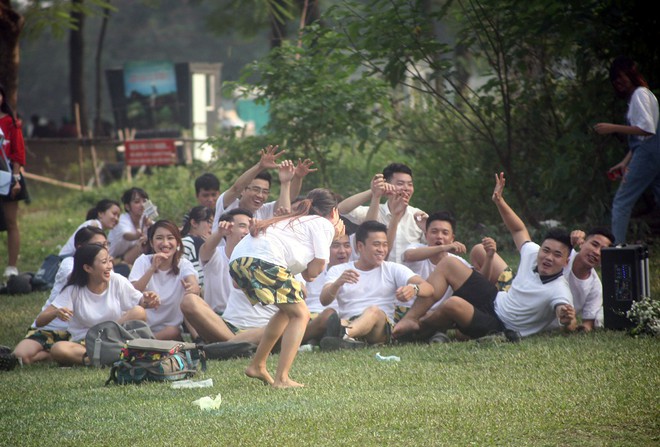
pixel 105 341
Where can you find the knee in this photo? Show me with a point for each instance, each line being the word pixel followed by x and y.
pixel 477 255
pixel 374 312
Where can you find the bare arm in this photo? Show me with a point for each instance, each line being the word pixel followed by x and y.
pixel 286 174
pixel 303 168
pixel 607 128
pixel 314 269
pixel 514 224
pixel 422 253
pixel 330 291
pixel 398 205
pixel 207 249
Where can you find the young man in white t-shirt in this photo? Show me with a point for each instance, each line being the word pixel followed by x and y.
pixel 538 296
pixel 366 290
pixel 251 189
pixel 423 258
pixel 583 280
pixel 203 316
pixel 398 181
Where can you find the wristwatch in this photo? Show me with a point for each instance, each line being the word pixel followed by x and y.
pixel 415 289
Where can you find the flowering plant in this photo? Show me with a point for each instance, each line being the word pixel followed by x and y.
pixel 645 314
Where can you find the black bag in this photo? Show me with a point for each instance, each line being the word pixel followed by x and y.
pixel 156 360
pixel 44 279
pixel 224 350
pixel 105 341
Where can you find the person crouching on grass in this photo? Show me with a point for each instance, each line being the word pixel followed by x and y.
pixel 263 265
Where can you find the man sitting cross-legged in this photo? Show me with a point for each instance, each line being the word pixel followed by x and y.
pixel 538 296
pixel 366 289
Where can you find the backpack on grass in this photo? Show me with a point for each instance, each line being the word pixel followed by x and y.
pixel 156 360
pixel 105 340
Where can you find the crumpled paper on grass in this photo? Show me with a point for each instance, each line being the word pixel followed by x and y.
pixel 209 403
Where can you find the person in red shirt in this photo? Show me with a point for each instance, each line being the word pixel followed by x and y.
pixel 14 148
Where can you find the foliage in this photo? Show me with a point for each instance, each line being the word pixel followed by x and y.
pixel 645 314
pixel 56 16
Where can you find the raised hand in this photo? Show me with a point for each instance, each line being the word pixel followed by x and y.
pixel 577 238
pixel 500 181
pixel 150 300
pixel 490 246
pixel 286 171
pixel 303 167
pixel 269 156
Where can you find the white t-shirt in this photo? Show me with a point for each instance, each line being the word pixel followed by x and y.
pixel 314 289
pixel 375 287
pixel 69 249
pixel 61 277
pixel 643 111
pixel 529 305
pixel 424 268
pixel 168 287
pixel 587 293
pixel 118 245
pixel 266 211
pixel 243 315
pixel 90 308
pixel 407 231
pixel 218 281
pixel 290 243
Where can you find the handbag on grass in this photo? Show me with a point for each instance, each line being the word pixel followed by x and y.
pixel 156 360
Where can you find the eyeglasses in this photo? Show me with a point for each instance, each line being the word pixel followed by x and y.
pixel 257 190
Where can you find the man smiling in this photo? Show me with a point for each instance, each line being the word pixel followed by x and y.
pixel 538 296
pixel 366 290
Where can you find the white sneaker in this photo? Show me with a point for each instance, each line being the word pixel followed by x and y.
pixel 10 271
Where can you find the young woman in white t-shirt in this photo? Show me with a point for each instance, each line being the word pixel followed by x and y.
pixel 167 273
pixel 104 215
pixel 127 238
pixel 263 265
pixel 95 294
pixel 47 329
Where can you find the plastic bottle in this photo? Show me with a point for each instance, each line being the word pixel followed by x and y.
pixel 387 358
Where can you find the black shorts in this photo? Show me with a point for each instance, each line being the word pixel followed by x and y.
pixel 481 295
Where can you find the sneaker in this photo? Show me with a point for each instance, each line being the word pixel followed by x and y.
pixel 10 271
pixel 439 337
pixel 345 342
pixel 333 326
pixel 8 360
pixel 512 336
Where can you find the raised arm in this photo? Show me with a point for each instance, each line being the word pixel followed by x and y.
pixel 509 217
pixel 349 204
pixel 207 249
pixel 303 168
pixel 398 205
pixel 286 173
pixel 268 160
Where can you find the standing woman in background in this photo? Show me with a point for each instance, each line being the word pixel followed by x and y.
pixel 641 165
pixel 14 149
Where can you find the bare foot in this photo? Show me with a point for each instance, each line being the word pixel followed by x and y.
pixel 405 326
pixel 258 373
pixel 286 384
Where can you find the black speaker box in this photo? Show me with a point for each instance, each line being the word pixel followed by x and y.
pixel 625 273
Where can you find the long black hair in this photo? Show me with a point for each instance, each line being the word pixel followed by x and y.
pixel 4 107
pixel 85 255
pixel 199 214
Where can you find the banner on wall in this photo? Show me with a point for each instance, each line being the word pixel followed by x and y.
pixel 150 90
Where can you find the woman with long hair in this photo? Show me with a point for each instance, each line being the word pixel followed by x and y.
pixel 128 237
pixel 13 146
pixel 103 215
pixel 94 294
pixel 167 273
pixel 264 264
pixel 641 165
pixel 196 229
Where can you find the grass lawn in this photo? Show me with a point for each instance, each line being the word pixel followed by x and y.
pixel 599 389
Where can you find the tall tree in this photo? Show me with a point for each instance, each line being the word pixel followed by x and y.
pixel 11 25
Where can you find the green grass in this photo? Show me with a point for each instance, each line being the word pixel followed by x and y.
pixel 598 389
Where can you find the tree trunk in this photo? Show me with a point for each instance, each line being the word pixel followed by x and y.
pixel 98 127
pixel 11 25
pixel 76 63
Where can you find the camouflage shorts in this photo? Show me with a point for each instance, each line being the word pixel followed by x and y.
pixel 266 283
pixel 504 280
pixel 47 338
